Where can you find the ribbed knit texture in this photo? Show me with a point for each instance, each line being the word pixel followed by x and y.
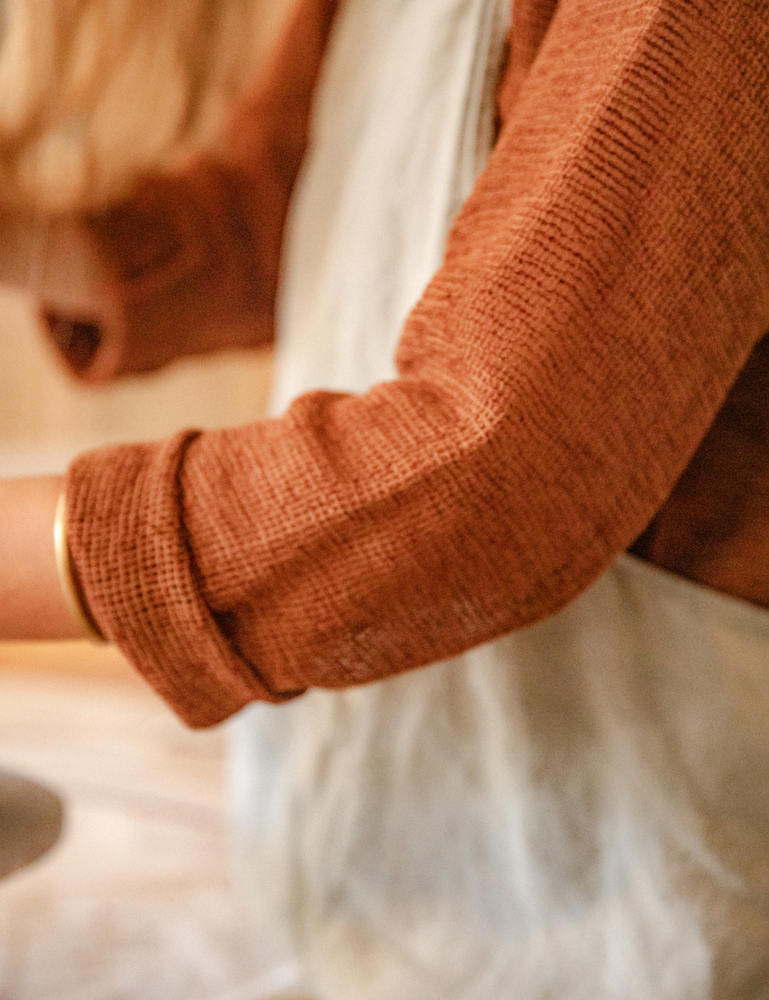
pixel 602 289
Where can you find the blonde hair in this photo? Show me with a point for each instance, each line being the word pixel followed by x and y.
pixel 95 92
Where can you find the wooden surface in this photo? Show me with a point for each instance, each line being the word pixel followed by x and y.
pixel 137 901
pixel 83 659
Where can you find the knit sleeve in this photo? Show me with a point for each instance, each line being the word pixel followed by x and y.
pixel 601 289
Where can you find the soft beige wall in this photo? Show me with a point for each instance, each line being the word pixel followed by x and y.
pixel 45 418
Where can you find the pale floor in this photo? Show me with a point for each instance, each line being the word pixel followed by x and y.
pixel 136 902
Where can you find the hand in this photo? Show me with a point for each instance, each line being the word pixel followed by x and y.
pixel 32 605
pixel 173 271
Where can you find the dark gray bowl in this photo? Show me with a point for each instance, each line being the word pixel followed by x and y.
pixel 31 820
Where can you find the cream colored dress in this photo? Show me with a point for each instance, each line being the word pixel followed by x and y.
pixel 576 810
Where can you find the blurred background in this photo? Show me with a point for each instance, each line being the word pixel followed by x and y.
pixel 45 418
pixel 136 900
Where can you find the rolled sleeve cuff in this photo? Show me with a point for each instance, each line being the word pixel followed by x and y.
pixel 134 563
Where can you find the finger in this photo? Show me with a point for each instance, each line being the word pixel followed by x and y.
pixel 77 340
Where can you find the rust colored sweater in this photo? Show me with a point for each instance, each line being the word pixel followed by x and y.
pixel 602 289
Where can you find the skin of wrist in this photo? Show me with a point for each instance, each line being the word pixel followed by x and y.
pixel 32 604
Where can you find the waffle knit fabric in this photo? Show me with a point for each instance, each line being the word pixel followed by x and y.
pixel 602 290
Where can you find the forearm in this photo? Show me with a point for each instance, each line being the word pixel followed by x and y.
pixel 32 603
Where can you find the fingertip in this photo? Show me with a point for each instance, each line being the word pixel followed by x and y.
pixel 77 340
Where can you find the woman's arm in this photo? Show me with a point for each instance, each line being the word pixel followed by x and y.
pixel 601 290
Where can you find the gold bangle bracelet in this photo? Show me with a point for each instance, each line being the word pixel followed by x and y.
pixel 69 587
